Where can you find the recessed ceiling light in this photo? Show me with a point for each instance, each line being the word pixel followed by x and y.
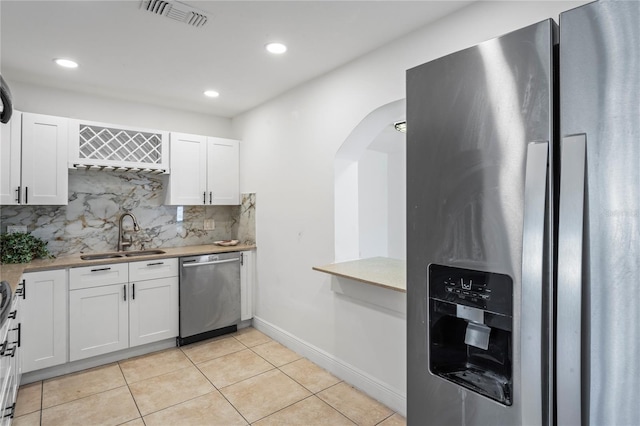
pixel 276 48
pixel 211 93
pixel 67 63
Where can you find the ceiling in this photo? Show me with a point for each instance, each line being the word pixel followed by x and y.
pixel 129 53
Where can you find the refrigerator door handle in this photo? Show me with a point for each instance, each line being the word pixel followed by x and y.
pixel 569 291
pixel 533 283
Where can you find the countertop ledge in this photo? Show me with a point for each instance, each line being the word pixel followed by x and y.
pixel 379 271
pixel 12 272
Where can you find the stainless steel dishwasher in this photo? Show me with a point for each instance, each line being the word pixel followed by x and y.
pixel 209 296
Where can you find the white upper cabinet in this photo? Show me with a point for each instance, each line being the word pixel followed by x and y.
pixel 37 153
pixel 223 171
pixel 204 171
pixel 188 176
pixel 10 166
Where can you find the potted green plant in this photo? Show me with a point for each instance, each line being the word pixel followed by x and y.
pixel 21 247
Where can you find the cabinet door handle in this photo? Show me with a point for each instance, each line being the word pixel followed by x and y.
pixel 10 352
pixel 18 329
pixel 124 288
pixel 204 197
pixel 12 410
pixel 18 193
pixel 100 269
pixel 24 289
pixel 26 195
pixel 210 197
pixel 133 291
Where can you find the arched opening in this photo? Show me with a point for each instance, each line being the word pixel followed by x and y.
pixel 370 188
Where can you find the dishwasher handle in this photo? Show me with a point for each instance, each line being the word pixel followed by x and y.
pixel 215 262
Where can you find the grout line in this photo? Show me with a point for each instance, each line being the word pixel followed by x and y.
pixel 284 408
pixel 41 399
pixel 130 393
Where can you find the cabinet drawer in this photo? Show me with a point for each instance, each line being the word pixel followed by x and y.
pixel 153 269
pixel 98 275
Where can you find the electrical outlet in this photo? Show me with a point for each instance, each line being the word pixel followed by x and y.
pixel 209 225
pixel 12 229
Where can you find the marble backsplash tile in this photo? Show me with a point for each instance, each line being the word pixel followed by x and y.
pixel 89 223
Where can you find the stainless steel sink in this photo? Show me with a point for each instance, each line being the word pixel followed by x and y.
pixel 143 253
pixel 115 255
pixel 99 256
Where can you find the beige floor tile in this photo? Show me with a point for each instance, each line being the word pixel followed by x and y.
pixel 210 409
pixel 31 419
pixel 232 368
pixel 354 404
pixel 200 352
pixel 169 389
pixel 276 353
pixel 136 422
pixel 112 407
pixel 263 395
pixel 78 385
pixel 395 420
pixel 251 337
pixel 310 375
pixel 309 412
pixel 29 399
pixel 152 365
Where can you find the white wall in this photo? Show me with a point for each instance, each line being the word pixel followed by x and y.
pixel 43 100
pixel 397 201
pixel 373 205
pixel 287 157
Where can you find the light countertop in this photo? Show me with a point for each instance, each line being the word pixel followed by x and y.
pixel 378 271
pixel 12 272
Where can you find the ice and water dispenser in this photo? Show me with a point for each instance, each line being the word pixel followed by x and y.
pixel 471 330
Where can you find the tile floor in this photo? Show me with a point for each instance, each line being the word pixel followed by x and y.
pixel 237 379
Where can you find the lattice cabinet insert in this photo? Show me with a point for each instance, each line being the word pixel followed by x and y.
pixel 114 147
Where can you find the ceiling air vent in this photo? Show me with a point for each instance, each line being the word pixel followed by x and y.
pixel 175 10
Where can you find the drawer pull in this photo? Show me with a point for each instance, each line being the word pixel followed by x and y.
pixel 155 264
pixel 100 269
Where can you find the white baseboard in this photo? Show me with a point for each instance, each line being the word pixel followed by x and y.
pixel 373 387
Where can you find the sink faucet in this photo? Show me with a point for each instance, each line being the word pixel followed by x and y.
pixel 122 241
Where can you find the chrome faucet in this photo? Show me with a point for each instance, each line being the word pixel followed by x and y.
pixel 122 241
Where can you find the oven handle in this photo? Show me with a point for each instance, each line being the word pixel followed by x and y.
pixel 217 262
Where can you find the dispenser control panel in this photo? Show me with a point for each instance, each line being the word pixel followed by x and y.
pixel 478 289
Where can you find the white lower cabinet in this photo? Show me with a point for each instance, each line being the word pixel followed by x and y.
pixel 98 321
pixel 43 320
pixel 247 275
pixel 153 306
pixel 114 316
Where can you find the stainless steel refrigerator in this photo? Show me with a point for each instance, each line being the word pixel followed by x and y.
pixel 523 226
